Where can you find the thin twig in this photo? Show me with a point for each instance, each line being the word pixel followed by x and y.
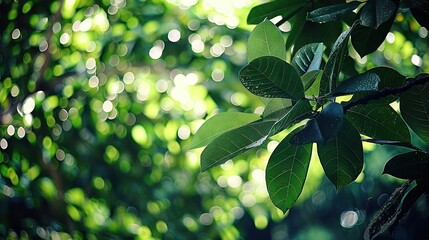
pixel 411 82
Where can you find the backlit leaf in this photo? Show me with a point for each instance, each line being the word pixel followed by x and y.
pixel 219 124
pixel 309 78
pixel 234 142
pixel 412 165
pixel 342 156
pixel 286 172
pixel 271 77
pixel 265 40
pixel 379 122
pixel 376 12
pixel 414 107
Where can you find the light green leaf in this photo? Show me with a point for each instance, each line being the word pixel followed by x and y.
pixel 265 40
pixel 376 12
pixel 286 9
pixel 323 127
pixel 308 58
pixel 276 108
pixel 365 82
pixel 219 124
pixel 332 13
pixel 234 142
pixel 342 156
pixel 271 77
pixel 314 78
pixel 411 165
pixel 286 172
pixel 309 78
pixel 414 107
pixel 379 122
pixel 299 110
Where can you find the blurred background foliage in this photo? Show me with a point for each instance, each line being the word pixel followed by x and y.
pixel 99 100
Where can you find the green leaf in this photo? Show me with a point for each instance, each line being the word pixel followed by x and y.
pixel 265 40
pixel 366 39
pixel 271 77
pixel 286 172
pixel 335 60
pixel 388 215
pixel 414 107
pixel 323 127
pixel 308 58
pixel 411 165
pixel 309 78
pixel 376 12
pixel 332 13
pixel 389 78
pixel 420 11
pixel 219 124
pixel 342 156
pixel 286 9
pixel 365 82
pixel 312 79
pixel 297 24
pixel 299 110
pixel 379 122
pixel 275 108
pixel 234 142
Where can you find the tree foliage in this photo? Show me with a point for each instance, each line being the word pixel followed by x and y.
pixel 335 125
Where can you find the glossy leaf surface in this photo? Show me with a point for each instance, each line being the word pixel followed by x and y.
pixel 365 82
pixel 272 77
pixel 268 10
pixel 376 12
pixel 332 13
pixel 389 78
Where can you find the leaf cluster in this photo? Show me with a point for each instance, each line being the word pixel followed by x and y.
pixel 305 93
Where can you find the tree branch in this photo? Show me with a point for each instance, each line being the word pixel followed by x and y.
pixel 411 82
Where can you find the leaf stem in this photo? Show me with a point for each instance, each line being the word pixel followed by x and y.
pixel 411 82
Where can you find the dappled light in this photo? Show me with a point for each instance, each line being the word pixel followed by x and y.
pixel 100 102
